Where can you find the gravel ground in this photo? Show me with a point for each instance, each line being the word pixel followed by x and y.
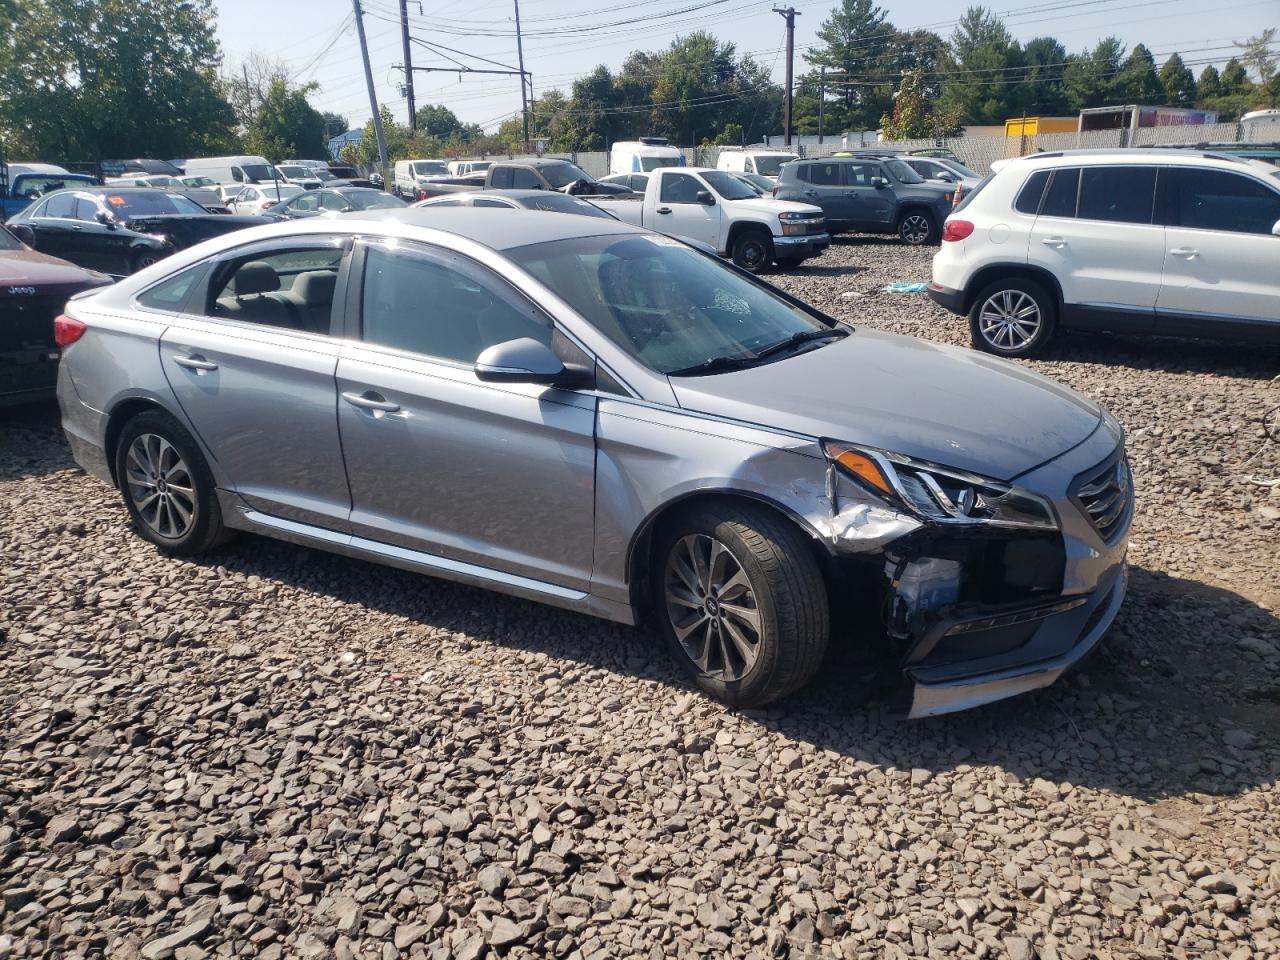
pixel 279 753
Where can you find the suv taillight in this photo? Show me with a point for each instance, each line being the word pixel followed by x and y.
pixel 956 230
pixel 776 189
pixel 67 330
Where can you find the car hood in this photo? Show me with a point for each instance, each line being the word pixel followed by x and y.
pixel 945 404
pixel 768 207
pixel 28 268
pixel 186 229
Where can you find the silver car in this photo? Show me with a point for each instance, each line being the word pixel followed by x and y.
pixel 580 412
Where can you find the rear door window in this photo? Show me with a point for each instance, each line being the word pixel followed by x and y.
pixel 1117 194
pixel 1060 198
pixel 61 205
pixel 1216 200
pixel 500 177
pixel 821 174
pixel 522 179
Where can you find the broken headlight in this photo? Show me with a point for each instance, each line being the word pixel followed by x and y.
pixel 940 494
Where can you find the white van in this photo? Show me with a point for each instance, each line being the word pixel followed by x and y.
pixel 411 174
pixel 767 163
pixel 234 169
pixel 643 155
pixel 465 168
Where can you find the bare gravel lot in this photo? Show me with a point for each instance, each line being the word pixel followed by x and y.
pixel 277 753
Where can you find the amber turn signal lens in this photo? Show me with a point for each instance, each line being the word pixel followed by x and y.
pixel 863 467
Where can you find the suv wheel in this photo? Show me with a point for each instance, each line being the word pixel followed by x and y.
pixel 918 227
pixel 1012 318
pixel 753 251
pixel 167 487
pixel 741 603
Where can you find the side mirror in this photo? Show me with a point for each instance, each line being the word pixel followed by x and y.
pixel 105 219
pixel 519 361
pixel 1275 228
pixel 944 177
pixel 705 198
pixel 24 233
pixel 879 182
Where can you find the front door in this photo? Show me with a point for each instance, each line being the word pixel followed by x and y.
pixel 1221 259
pixel 872 205
pixel 252 363
pixel 681 215
pixel 497 475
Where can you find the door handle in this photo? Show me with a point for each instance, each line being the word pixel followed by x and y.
pixel 811 193
pixel 1054 242
pixel 77 227
pixel 663 210
pixel 370 401
pixel 1189 252
pixel 195 362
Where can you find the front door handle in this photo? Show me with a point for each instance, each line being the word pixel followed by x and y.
pixel 663 210
pixel 1054 242
pixel 370 401
pixel 1189 252
pixel 195 362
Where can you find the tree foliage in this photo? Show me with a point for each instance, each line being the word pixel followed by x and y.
pixel 285 125
pixel 914 116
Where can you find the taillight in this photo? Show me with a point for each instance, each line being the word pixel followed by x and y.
pixel 67 330
pixel 268 203
pixel 956 230
pixel 775 191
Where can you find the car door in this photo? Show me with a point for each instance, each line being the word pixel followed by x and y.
pixel 1094 233
pixel 54 225
pixel 680 214
pixel 1221 259
pixel 251 360
pixel 871 200
pixel 501 476
pixel 246 201
pixel 822 183
pixel 304 205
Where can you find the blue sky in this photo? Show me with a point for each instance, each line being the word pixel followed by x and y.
pixel 317 41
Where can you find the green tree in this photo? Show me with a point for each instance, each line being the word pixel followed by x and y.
pixel 856 45
pixel 731 135
pixel 438 122
pixel 1088 79
pixel 1044 89
pixel 982 80
pixel 1177 83
pixel 1209 85
pixel 1235 79
pixel 112 78
pixel 334 124
pixel 696 79
pixel 1137 81
pixel 1258 52
pixel 914 116
pixel 285 125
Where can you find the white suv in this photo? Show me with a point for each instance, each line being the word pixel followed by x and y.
pixel 1180 244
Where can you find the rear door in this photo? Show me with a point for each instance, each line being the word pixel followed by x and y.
pixel 679 213
pixel 1095 233
pixel 55 228
pixel 252 363
pixel 1221 260
pixel 822 183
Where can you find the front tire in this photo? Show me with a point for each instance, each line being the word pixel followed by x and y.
pixel 753 251
pixel 917 228
pixel 1012 318
pixel 167 486
pixel 741 602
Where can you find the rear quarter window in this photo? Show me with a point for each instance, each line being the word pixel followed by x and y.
pixel 1032 192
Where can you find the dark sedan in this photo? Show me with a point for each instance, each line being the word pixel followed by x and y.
pixel 119 230
pixel 316 203
pixel 33 289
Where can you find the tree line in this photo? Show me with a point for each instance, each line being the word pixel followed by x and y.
pixel 121 78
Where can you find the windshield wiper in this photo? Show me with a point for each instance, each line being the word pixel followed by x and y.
pixel 796 339
pixel 714 365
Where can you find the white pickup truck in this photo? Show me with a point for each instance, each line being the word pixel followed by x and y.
pixel 717 208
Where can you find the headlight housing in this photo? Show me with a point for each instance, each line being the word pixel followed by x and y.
pixel 940 494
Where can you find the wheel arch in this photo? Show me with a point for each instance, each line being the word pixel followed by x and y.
pixel 738 228
pixel 1024 271
pixel 121 414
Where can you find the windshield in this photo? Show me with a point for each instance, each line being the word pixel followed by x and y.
pixel 296 171
pixel 164 182
pixel 31 187
pixel 752 180
pixel 662 302
pixel 729 186
pixel 260 171
pixel 653 163
pixel 903 173
pixel 480 166
pixel 562 174
pixel 430 168
pixel 374 200
pixel 961 169
pixel 198 181
pixel 769 166
pixel 278 190
pixel 150 203
pixel 559 203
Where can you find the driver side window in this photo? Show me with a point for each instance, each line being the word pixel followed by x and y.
pixel 680 188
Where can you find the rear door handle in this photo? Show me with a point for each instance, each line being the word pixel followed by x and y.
pixel 370 401
pixel 1189 252
pixel 811 193
pixel 1054 242
pixel 195 362
pixel 663 210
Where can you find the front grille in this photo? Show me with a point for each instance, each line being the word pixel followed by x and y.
pixel 1106 497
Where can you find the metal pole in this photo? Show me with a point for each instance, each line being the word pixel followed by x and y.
pixel 524 102
pixel 788 14
pixel 373 97
pixel 408 64
pixel 822 99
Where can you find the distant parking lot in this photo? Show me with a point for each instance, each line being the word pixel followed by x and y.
pixel 275 752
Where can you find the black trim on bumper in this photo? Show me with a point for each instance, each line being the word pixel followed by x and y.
pixel 947 298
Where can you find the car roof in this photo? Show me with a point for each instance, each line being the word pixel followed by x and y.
pixel 1134 154
pixel 520 228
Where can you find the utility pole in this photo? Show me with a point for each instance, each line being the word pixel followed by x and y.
pixel 822 98
pixel 408 64
pixel 373 97
pixel 524 101
pixel 788 14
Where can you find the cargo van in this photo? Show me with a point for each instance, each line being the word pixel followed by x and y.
pixel 465 168
pixel 234 169
pixel 643 155
pixel 411 174
pixel 766 163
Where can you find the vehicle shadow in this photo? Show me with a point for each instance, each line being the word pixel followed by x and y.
pixel 1146 717
pixel 811 269
pixel 31 441
pixel 1252 361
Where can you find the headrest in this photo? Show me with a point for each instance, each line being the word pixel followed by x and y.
pixel 256 277
pixel 315 288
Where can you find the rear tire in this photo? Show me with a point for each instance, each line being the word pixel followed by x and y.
pixel 917 228
pixel 741 602
pixel 167 486
pixel 753 251
pixel 143 259
pixel 1012 318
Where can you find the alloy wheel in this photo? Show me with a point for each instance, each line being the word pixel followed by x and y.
pixel 915 228
pixel 712 607
pixel 160 486
pixel 1009 320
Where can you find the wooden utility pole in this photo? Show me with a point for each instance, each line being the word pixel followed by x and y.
pixel 788 14
pixel 408 64
pixel 822 99
pixel 524 101
pixel 373 97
